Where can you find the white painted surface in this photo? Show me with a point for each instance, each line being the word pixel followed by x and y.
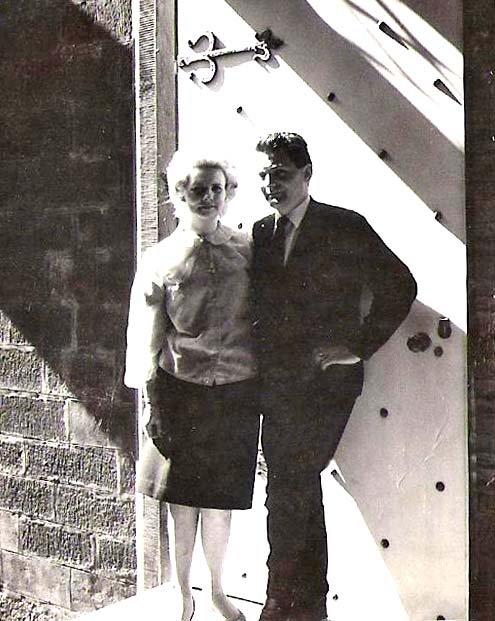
pixel 385 99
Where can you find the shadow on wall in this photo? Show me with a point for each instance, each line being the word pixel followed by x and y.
pixel 448 25
pixel 434 174
pixel 420 9
pixel 67 203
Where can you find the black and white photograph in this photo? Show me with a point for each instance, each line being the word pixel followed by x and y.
pixel 246 312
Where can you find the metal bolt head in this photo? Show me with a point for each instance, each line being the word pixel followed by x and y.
pixel 444 328
pixel 419 342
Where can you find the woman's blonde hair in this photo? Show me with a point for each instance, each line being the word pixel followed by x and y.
pixel 179 174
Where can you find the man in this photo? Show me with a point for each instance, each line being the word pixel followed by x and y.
pixel 314 268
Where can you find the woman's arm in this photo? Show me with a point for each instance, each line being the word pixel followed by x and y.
pixel 146 325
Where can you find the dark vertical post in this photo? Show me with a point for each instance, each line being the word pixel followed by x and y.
pixel 166 113
pixel 479 52
pixel 156 143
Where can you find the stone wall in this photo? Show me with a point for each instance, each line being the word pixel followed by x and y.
pixel 67 518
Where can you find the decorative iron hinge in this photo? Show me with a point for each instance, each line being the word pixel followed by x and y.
pixel 261 50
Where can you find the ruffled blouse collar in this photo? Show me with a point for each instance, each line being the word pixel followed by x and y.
pixel 221 235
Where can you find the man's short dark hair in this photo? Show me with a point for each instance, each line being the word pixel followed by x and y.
pixel 293 145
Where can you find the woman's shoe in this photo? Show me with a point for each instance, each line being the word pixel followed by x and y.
pixel 224 606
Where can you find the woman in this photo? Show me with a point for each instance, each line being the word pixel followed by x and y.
pixel 189 347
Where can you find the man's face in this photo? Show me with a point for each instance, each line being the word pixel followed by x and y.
pixel 283 184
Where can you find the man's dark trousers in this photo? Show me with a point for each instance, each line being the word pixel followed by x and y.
pixel 302 424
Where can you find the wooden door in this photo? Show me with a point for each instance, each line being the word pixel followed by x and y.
pixel 375 86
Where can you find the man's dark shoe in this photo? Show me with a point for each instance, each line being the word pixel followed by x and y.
pixel 275 610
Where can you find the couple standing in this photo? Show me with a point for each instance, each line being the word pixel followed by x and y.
pixel 198 299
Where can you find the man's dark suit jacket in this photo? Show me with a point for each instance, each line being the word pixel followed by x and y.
pixel 337 261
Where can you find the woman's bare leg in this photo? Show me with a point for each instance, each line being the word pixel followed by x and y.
pixel 185 527
pixel 215 532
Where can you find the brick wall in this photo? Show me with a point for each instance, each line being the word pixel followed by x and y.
pixel 67 531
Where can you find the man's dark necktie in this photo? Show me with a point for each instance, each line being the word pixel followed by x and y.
pixel 282 229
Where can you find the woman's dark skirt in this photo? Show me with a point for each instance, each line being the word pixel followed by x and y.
pixel 211 444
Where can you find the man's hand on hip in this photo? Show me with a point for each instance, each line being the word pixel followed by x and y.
pixel 327 355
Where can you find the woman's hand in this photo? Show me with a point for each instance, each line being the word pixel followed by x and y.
pixel 152 421
pixel 327 355
pixel 156 429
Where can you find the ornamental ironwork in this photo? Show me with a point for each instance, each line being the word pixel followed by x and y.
pixel 260 50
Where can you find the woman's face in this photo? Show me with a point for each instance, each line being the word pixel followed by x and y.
pixel 205 194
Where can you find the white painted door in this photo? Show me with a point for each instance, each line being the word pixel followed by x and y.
pixel 375 87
